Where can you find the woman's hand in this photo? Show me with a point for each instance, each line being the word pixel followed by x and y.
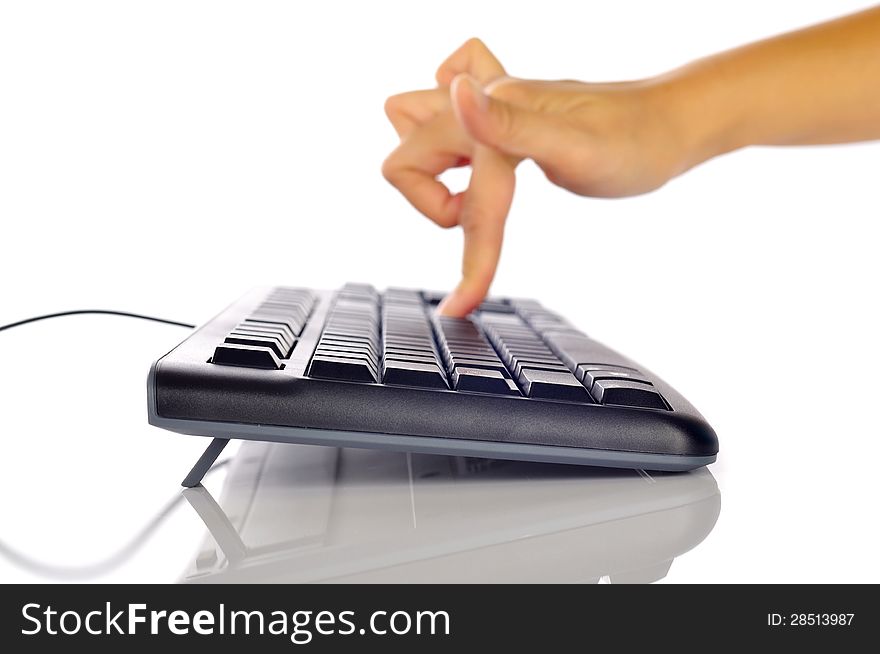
pixel 593 139
pixel 816 85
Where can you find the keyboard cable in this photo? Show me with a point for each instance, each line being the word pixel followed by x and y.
pixel 105 312
pixel 127 551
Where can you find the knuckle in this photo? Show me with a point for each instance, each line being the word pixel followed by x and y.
pixel 447 218
pixel 392 106
pixel 390 170
pixel 475 44
pixel 441 216
pixel 442 73
pixel 507 89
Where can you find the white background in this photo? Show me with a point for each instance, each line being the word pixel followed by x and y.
pixel 163 157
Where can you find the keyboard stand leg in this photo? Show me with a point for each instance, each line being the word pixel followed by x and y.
pixel 227 537
pixel 194 478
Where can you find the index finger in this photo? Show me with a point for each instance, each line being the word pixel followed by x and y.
pixel 406 111
pixel 483 214
pixel 474 58
pixel 414 165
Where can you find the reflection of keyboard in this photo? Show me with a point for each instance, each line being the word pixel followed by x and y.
pixel 304 514
pixel 367 369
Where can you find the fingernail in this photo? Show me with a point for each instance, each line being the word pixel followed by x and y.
pixel 480 97
pixel 448 306
pixel 442 306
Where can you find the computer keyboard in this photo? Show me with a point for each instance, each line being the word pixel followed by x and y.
pixel 360 368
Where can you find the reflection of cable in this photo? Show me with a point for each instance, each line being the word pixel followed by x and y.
pixel 72 573
pixel 104 312
pixel 94 569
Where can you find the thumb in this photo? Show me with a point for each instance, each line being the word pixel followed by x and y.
pixel 512 129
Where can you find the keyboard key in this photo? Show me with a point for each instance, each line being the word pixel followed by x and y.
pixel 277 319
pixel 502 319
pixel 478 355
pixel 356 287
pixel 589 373
pixel 355 321
pixel 466 346
pixel 547 358
pixel 522 341
pixel 346 350
pixel 462 344
pixel 286 340
pixel 403 295
pixel 260 324
pixel 334 341
pixel 485 364
pixel 495 306
pixel 238 338
pixel 433 297
pixel 552 385
pixel 426 345
pixel 575 350
pixel 536 364
pixel 473 356
pixel 426 375
pixel 339 353
pixel 294 311
pixel 248 356
pixel 334 331
pixel 360 323
pixel 624 392
pixel 357 331
pixel 527 350
pixel 480 380
pixel 421 348
pixel 409 356
pixel 343 369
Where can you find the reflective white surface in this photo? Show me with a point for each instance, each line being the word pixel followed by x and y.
pixel 297 513
pixel 307 513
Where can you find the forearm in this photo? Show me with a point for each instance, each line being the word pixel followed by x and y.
pixel 816 85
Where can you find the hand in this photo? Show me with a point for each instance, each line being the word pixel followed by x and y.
pixel 815 85
pixel 603 140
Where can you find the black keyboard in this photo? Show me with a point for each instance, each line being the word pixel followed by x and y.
pixel 360 368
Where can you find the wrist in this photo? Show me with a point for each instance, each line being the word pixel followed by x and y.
pixel 703 112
